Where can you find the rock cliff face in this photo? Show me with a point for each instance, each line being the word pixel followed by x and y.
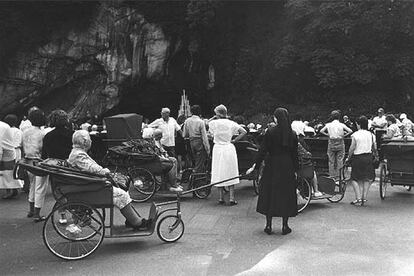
pixel 83 71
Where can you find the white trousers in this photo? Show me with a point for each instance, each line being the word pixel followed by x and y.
pixel 38 188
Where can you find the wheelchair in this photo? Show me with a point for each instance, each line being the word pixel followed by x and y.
pixel 83 200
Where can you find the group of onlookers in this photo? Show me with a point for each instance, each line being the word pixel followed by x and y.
pixel 282 149
pixel 33 141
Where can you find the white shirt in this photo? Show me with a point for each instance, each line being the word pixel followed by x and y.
pixel 298 127
pixel 168 130
pixel 6 138
pixel 309 129
pixel 408 127
pixel 223 130
pixel 393 131
pixel 336 129
pixel 25 124
pixel 379 121
pixel 363 141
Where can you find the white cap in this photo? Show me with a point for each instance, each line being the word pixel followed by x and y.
pixel 403 116
pixel 165 110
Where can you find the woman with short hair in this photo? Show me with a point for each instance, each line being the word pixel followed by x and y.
pixel 360 157
pixel 79 159
pixel 224 160
pixel 58 142
pixel 393 130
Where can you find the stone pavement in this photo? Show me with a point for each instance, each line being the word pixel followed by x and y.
pixel 327 239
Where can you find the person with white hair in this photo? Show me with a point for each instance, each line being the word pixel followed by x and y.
pixel 224 160
pixel 169 127
pixel 79 159
pixel 408 126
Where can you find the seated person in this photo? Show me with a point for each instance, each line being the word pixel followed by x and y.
pixel 393 131
pixel 168 164
pixel 79 159
pixel 306 169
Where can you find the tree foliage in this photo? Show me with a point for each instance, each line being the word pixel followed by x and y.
pixel 352 47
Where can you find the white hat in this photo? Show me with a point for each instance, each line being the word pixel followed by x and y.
pixel 403 116
pixel 165 110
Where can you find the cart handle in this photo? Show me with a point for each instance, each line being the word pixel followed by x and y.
pixel 211 184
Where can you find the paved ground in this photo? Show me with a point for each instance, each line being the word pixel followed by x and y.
pixel 327 239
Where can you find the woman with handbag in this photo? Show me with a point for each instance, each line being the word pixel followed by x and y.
pixel 362 156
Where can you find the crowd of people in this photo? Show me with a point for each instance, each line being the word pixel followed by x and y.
pixel 282 148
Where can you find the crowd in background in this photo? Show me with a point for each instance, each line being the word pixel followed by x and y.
pixel 188 142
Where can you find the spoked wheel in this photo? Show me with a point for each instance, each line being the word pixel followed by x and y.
pixel 256 180
pixel 304 193
pixel 383 181
pixel 339 191
pixel 170 228
pixel 142 186
pixel 201 180
pixel 77 237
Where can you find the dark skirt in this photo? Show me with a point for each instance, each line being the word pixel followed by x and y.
pixel 362 167
pixel 277 192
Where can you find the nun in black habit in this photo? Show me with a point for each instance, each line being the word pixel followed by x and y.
pixel 277 192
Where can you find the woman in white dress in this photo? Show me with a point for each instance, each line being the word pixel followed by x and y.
pixel 11 143
pixel 224 159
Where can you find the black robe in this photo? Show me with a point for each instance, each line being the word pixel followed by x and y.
pixel 277 192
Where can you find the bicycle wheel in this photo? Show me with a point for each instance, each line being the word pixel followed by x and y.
pixel 383 181
pixel 142 186
pixel 304 193
pixel 198 181
pixel 256 180
pixel 170 228
pixel 339 191
pixel 79 237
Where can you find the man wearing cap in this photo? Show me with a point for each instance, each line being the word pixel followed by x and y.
pixel 336 131
pixel 168 126
pixel 408 126
pixel 195 131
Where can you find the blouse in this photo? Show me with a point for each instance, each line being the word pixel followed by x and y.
pixel 223 130
pixel 363 141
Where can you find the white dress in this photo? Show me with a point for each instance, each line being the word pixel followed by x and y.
pixel 224 160
pixel 8 157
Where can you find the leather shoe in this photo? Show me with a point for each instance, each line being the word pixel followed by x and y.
pixel 286 230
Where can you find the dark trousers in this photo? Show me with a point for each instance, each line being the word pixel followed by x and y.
pixel 170 151
pixel 199 155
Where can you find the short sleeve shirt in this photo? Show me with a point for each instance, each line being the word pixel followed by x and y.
pixel 168 130
pixel 223 130
pixel 336 129
pixel 363 141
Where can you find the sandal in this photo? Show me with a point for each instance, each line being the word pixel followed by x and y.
pixel 232 203
pixel 356 202
pixel 39 219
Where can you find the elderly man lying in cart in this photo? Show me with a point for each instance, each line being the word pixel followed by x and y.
pixel 79 159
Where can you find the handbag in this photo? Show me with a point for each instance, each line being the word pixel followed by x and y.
pixel 375 157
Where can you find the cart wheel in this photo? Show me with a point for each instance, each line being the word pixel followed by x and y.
pixel 170 228
pixel 304 193
pixel 199 181
pixel 142 186
pixel 339 191
pixel 79 237
pixel 383 181
pixel 256 180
